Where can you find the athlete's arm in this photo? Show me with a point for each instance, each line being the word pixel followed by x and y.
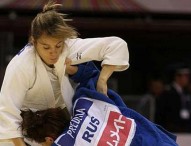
pixel 16 141
pixel 105 73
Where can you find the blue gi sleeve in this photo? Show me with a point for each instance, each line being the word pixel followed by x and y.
pixel 147 133
pixel 85 72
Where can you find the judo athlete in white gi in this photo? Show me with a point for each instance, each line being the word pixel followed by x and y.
pixel 98 120
pixel 35 78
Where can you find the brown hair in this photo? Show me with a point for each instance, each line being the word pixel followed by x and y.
pixel 51 22
pixel 44 123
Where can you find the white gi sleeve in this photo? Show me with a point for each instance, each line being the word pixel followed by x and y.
pixel 109 50
pixel 14 88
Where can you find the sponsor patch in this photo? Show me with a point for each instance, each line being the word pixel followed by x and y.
pixel 118 131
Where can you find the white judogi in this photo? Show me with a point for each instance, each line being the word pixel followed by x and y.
pixel 27 85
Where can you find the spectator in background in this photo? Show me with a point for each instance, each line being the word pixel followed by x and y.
pixel 173 110
pixel 148 102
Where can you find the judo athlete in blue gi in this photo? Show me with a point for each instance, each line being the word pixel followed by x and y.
pixel 100 120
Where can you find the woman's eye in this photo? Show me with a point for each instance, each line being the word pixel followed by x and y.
pixel 58 46
pixel 46 47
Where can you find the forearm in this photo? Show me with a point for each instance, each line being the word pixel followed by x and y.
pixel 16 141
pixel 106 72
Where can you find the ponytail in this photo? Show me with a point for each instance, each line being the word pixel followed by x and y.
pixel 51 5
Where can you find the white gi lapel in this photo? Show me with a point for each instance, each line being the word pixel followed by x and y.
pixel 67 90
pixel 45 82
pixel 60 65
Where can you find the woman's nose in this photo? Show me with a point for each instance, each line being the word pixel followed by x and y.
pixel 53 50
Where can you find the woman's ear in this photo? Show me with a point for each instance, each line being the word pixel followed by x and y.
pixel 49 140
pixel 32 41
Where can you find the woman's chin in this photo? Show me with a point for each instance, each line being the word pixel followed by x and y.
pixel 53 61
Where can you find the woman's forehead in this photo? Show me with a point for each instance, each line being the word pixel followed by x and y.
pixel 45 39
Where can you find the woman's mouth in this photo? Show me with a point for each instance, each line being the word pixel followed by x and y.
pixel 53 60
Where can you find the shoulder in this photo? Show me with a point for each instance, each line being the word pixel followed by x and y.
pixel 71 42
pixel 109 38
pixel 24 59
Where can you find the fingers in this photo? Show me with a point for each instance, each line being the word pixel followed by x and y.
pixel 71 70
pixel 68 61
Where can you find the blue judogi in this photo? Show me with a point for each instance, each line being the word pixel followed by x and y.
pixel 99 120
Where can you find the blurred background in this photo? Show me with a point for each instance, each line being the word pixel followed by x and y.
pixel 158 33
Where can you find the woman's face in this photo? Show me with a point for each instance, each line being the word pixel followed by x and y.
pixel 49 48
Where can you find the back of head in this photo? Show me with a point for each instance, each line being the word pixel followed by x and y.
pixel 179 73
pixel 45 123
pixel 51 23
pixel 156 86
pixel 177 69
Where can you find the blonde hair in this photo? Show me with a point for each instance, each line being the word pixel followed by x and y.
pixel 52 23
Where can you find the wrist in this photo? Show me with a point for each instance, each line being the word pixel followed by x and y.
pixel 102 79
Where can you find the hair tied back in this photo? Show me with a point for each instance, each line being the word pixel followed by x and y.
pixel 51 6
